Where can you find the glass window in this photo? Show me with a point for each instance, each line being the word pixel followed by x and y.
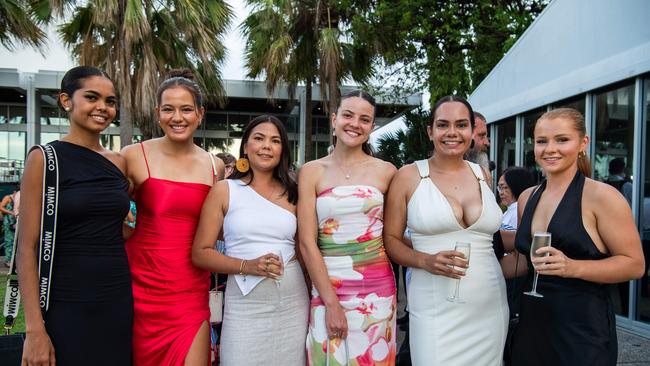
pixel 530 118
pixel 4 145
pixel 614 133
pixel 507 139
pixel 17 115
pixel 111 142
pixel 217 145
pixel 237 123
pixel 613 154
pixel 577 103
pixel 47 137
pixel 643 295
pixel 216 121
pixel 53 116
pixel 17 145
pixel 4 114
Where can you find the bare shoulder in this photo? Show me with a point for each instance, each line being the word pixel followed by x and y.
pixel 384 166
pixel 116 158
pixel 602 195
pixel 312 170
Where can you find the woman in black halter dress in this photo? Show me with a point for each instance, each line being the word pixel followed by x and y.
pixel 594 243
pixel 90 314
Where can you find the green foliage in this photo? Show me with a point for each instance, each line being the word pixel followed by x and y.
pixel 138 42
pixel 20 22
pixel 405 146
pixel 447 46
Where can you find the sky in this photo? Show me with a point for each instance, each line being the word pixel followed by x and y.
pixel 56 57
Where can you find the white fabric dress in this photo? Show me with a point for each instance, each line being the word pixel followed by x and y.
pixel 443 332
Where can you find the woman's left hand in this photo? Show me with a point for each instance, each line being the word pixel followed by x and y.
pixel 555 264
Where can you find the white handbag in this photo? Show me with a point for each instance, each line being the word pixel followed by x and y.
pixel 216 306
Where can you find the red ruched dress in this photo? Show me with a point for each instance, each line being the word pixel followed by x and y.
pixel 170 294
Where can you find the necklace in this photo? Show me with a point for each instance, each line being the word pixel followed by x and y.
pixel 348 174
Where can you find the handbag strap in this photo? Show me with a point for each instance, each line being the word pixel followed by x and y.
pixel 327 352
pixel 12 294
pixel 49 209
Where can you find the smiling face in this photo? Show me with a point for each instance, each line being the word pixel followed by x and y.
pixel 178 114
pixel 93 106
pixel 451 130
pixel 353 121
pixel 264 147
pixel 557 144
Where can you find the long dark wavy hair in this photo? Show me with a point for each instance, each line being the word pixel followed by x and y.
pixel 280 172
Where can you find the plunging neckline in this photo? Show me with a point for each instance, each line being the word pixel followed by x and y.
pixel 448 205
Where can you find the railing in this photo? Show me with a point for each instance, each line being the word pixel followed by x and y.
pixel 11 171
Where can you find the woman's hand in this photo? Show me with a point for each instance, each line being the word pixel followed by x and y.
pixel 555 264
pixel 445 263
pixel 38 350
pixel 336 322
pixel 268 265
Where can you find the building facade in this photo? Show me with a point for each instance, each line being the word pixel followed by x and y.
pixel 29 115
pixel 593 56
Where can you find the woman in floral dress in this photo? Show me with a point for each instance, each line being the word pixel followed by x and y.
pixel 340 216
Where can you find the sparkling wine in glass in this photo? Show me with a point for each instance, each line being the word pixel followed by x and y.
pixel 464 248
pixel 541 239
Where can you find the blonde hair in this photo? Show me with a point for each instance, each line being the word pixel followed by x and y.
pixel 584 164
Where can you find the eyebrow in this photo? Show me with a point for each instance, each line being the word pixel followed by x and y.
pixel 263 135
pixel 458 120
pixel 362 114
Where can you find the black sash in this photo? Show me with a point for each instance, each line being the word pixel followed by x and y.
pixel 49 207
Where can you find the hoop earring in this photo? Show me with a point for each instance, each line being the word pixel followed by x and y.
pixel 242 164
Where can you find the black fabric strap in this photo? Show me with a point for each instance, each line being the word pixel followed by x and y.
pixel 50 204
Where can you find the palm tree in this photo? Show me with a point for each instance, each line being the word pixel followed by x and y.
pixel 137 42
pixel 20 22
pixel 405 146
pixel 305 41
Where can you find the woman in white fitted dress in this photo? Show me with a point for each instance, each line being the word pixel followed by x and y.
pixel 445 200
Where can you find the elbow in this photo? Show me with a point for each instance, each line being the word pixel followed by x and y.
pixel 639 269
pixel 197 259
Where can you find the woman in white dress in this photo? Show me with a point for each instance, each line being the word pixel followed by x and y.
pixel 445 200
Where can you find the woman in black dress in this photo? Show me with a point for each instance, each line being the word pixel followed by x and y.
pixel 89 321
pixel 594 243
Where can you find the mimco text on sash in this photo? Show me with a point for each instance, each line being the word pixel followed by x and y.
pixel 48 223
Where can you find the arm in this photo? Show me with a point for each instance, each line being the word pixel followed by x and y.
pixel 508 238
pixel 38 348
pixel 615 227
pixel 3 205
pixel 204 254
pixel 394 226
pixel 220 167
pixel 335 320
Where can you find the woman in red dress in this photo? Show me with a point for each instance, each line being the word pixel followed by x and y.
pixel 171 178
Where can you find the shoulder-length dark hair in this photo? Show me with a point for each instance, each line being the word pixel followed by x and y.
pixel 280 172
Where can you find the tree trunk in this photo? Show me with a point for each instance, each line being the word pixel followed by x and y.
pixel 332 101
pixel 309 124
pixel 126 126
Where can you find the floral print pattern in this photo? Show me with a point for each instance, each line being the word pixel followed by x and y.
pixel 350 239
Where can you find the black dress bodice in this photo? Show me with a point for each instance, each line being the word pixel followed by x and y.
pixel 573 324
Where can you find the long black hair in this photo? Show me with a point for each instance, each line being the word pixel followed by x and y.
pixel 282 171
pixel 366 147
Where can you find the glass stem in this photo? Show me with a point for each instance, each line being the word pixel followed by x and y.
pixel 535 281
pixel 457 289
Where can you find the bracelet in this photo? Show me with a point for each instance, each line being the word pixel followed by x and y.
pixel 241 266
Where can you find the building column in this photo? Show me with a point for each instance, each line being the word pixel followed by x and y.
pixel 33 121
pixel 302 126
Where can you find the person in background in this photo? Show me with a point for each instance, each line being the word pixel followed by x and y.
pixel 266 304
pixel 90 315
pixel 479 151
pixel 171 177
pixel 340 214
pixel 10 208
pixel 446 200
pixel 228 162
pixel 594 242
pixel 619 180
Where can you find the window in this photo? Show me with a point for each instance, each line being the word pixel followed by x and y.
pixel 530 118
pixel 17 115
pixel 577 103
pixel 507 140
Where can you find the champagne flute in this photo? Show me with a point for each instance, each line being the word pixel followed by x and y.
pixel 464 248
pixel 278 279
pixel 540 239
